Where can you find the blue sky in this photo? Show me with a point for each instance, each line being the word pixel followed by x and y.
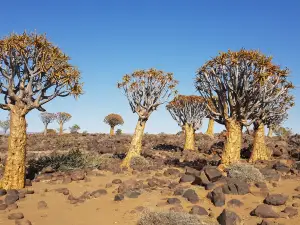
pixel 107 39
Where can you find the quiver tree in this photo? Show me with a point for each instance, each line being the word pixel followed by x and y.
pixel 113 120
pixel 240 81
pixel 211 122
pixel 61 119
pixel 145 90
pixel 4 125
pixel 33 72
pixel 271 114
pixel 188 112
pixel 46 119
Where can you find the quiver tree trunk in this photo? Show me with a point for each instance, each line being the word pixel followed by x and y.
pixel 260 150
pixel 189 137
pixel 270 132
pixel 45 130
pixel 61 128
pixel 210 128
pixel 233 143
pixel 135 148
pixel 14 174
pixel 112 132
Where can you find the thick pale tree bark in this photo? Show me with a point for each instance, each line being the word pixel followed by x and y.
pixel 61 128
pixel 136 143
pixel 210 128
pixel 189 137
pixel 233 144
pixel 260 150
pixel 45 130
pixel 270 132
pixel 14 174
pixel 112 131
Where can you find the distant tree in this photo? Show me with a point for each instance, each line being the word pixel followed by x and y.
pixel 74 129
pixel 62 118
pixel 241 81
pixel 113 120
pixel 46 119
pixel 145 90
pixel 211 122
pixel 283 132
pixel 188 112
pixel 4 125
pixel 32 72
pixel 119 132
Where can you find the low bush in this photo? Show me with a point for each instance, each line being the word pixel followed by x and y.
pixel 139 163
pixel 245 172
pixel 173 218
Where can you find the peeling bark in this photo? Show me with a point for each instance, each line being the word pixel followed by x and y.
pixel 210 128
pixel 260 150
pixel 136 143
pixel 112 131
pixel 14 175
pixel 189 137
pixel 233 144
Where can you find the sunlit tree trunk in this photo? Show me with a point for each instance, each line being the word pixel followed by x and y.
pixel 270 132
pixel 189 137
pixel 233 142
pixel 260 150
pixel 136 143
pixel 61 129
pixel 210 128
pixel 14 174
pixel 45 130
pixel 112 132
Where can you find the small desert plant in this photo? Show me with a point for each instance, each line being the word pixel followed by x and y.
pixel 173 218
pixel 74 129
pixel 119 132
pixel 139 163
pixel 283 132
pixel 107 162
pixel 4 125
pixel 245 172
pixel 51 131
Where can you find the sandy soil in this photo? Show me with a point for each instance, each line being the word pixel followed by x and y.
pixel 104 210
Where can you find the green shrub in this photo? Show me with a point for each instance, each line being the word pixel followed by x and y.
pixel 119 132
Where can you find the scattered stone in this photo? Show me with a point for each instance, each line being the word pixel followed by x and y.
pixel 276 199
pixel 235 203
pixel 177 208
pixel 217 197
pixel 77 175
pixel 3 192
pixel 22 195
pixel 192 171
pixel 15 216
pixel 128 185
pixel 213 174
pixel 267 222
pixel 186 178
pixel 191 196
pixel 281 167
pixel 22 222
pixel 173 201
pixel 229 218
pixel 198 210
pixel 261 185
pixel 10 199
pixel 48 169
pixel 172 172
pixel 42 205
pixel 296 189
pixel 84 196
pixel 179 191
pixel 3 206
pixel 132 194
pixel 290 211
pixel 119 197
pixel 12 192
pixel 140 208
pixel 201 180
pixel 30 192
pixel 117 181
pixel 264 211
pixel 12 207
pixel 295 204
pixel 67 180
pixel 270 174
pixel 210 186
pixel 98 193
pixel 236 187
pixel 64 191
pixel 108 185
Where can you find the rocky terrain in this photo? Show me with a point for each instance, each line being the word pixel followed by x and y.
pixel 76 179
